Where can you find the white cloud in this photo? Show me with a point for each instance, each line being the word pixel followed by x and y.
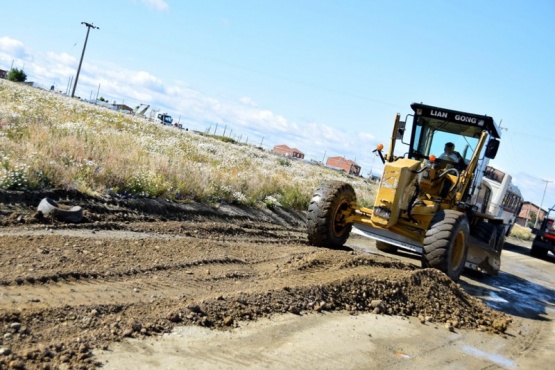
pixel 156 4
pixel 366 137
pixel 149 81
pixel 14 48
pixel 248 101
pixel 62 58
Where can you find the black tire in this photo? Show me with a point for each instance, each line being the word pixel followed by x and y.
pixel 500 238
pixel 536 251
pixel 386 247
pixel 49 207
pixel 446 243
pixel 331 203
pixel 487 233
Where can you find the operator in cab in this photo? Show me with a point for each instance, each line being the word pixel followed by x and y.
pixel 451 155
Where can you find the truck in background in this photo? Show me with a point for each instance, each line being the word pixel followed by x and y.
pixel 162 117
pixel 545 237
pixel 498 196
pixel 155 115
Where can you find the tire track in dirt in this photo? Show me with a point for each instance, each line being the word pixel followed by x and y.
pixel 67 289
pixel 144 284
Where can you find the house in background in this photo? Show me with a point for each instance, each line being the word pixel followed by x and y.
pixel 288 152
pixel 3 74
pixel 525 215
pixel 344 164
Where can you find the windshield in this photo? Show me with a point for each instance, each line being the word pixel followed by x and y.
pixel 431 135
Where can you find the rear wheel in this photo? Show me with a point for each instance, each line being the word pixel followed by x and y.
pixel 500 238
pixel 446 243
pixel 536 251
pixel 386 247
pixel 487 233
pixel 331 204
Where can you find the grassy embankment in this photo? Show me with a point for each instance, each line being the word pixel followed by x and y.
pixel 52 141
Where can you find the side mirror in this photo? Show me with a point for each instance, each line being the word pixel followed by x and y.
pixel 491 148
pixel 401 130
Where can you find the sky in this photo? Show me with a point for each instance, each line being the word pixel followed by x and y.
pixel 326 77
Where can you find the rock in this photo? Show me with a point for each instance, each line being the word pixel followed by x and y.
pixel 5 351
pixel 501 325
pixel 194 308
pixel 135 325
pixel 17 364
pixel 228 321
pixel 174 317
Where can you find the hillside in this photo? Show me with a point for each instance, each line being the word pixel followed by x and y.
pixel 49 141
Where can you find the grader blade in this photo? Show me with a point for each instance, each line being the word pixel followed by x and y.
pixel 481 257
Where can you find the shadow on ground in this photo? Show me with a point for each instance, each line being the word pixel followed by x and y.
pixel 510 294
pixel 525 250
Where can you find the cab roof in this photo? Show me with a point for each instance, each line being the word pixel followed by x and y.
pixel 450 115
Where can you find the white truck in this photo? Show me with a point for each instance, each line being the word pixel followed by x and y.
pixel 161 117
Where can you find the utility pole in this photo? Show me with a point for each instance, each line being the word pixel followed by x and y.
pixel 89 26
pixel 97 92
pixel 541 204
pixel 69 85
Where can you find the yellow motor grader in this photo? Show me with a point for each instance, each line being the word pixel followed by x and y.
pixel 426 203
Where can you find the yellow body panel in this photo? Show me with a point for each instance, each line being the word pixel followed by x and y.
pixel 394 191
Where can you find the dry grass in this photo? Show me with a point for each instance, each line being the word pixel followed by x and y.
pixel 522 233
pixel 52 141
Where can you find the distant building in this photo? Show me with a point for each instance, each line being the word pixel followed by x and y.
pixel 113 106
pixel 34 84
pixel 344 164
pixel 526 211
pixel 3 74
pixel 123 108
pixel 287 151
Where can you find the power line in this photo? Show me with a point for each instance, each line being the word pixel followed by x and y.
pixel 547 137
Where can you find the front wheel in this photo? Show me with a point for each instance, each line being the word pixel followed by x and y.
pixel 446 243
pixel 332 202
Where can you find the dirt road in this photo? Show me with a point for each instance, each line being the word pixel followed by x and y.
pixel 240 287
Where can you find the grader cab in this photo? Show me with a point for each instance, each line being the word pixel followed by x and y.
pixel 426 203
